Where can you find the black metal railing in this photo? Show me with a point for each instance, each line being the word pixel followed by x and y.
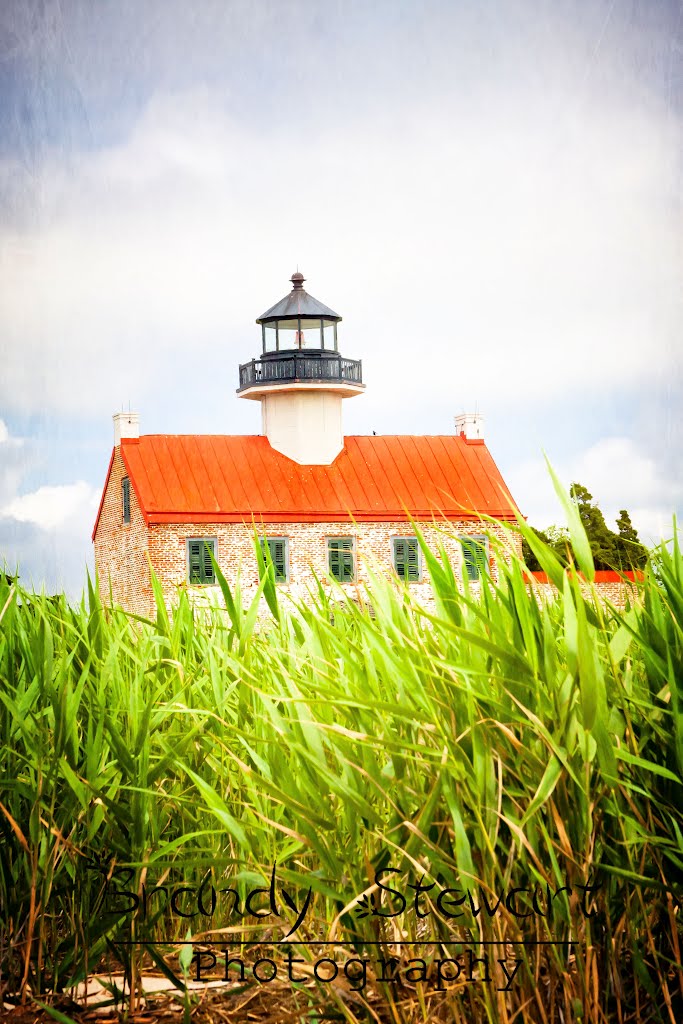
pixel 291 366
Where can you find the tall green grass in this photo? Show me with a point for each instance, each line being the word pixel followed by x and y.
pixel 498 741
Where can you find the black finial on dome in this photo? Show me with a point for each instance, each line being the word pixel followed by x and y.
pixel 297 280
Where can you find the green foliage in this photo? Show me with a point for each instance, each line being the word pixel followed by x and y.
pixel 594 524
pixel 621 551
pixel 529 555
pixel 628 551
pixel 499 741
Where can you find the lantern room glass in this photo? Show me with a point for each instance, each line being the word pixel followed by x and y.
pixel 299 333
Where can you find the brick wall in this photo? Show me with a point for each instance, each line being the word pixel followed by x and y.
pixel 307 553
pixel 608 586
pixel 121 554
pixel 121 548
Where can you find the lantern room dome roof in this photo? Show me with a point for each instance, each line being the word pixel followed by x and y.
pixel 298 304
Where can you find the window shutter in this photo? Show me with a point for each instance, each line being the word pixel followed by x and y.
pixel 407 559
pixel 400 558
pixel 199 564
pixel 277 550
pixel 340 558
pixel 277 553
pixel 482 555
pixel 208 576
pixel 195 555
pixel 474 556
pixel 125 496
pixel 413 560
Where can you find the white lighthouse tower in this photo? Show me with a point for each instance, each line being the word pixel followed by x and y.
pixel 300 378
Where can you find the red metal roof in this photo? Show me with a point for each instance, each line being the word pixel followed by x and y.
pixel 601 576
pixel 218 478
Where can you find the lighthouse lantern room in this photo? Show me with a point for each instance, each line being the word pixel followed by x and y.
pixel 301 378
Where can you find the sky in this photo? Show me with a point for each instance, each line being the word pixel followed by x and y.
pixel 489 193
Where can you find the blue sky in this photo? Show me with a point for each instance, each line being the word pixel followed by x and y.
pixel 489 194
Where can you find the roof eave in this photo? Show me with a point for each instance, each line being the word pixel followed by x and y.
pixel 104 491
pixel 392 515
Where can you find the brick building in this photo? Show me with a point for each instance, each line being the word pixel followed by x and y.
pixel 324 505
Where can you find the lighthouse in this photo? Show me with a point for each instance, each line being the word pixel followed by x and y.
pixel 301 378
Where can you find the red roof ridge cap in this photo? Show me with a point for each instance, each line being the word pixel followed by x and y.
pixel 347 437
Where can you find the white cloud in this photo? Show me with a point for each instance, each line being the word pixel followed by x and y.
pixel 15 458
pixel 44 533
pixel 529 256
pixel 64 506
pixel 618 473
pixel 621 471
pixel 55 560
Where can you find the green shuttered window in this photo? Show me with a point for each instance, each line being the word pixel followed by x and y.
pixel 474 556
pixel 407 561
pixel 340 558
pixel 278 548
pixel 199 564
pixel 125 498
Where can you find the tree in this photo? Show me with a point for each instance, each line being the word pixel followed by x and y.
pixel 560 542
pixel 529 557
pixel 600 537
pixel 622 550
pixel 556 537
pixel 631 554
